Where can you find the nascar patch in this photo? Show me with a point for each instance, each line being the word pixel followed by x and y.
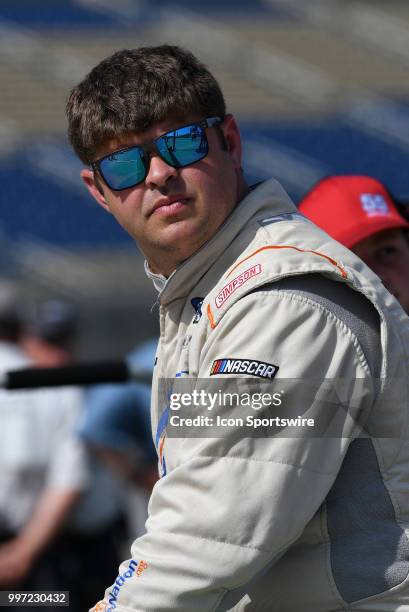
pixel 234 284
pixel 252 367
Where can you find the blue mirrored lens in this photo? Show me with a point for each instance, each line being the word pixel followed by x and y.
pixel 184 146
pixel 123 169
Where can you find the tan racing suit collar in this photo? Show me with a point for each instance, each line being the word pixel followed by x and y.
pixel 267 199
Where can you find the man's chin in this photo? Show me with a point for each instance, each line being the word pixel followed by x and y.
pixel 183 235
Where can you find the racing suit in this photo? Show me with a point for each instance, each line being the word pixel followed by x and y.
pixel 286 523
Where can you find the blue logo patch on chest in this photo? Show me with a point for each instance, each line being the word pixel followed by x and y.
pixel 197 305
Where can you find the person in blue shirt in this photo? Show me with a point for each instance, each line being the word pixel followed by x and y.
pixel 116 423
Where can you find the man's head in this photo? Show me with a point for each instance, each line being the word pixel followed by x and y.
pixel 163 156
pixel 359 212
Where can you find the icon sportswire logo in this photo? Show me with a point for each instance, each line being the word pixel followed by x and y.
pixel 234 284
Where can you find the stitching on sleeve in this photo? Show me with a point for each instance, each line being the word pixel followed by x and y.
pixel 295 465
pixel 223 542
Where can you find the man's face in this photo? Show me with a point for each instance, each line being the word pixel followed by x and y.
pixel 174 211
pixel 387 254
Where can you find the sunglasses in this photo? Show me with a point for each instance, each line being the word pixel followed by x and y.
pixel 178 148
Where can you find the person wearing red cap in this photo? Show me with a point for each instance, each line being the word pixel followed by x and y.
pixel 359 212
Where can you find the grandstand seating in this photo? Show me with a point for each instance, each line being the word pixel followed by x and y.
pixel 314 95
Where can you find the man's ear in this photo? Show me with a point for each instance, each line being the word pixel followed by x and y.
pixel 94 187
pixel 232 138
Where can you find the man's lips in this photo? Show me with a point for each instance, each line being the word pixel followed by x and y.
pixel 169 205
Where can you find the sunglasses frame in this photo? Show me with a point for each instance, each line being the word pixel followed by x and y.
pixel 151 147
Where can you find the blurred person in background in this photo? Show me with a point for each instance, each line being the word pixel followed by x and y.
pixel 116 426
pixel 360 212
pixel 50 329
pixel 91 541
pixel 43 467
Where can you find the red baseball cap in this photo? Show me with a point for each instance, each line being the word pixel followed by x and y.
pixel 351 208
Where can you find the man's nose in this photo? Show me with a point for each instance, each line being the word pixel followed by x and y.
pixel 159 172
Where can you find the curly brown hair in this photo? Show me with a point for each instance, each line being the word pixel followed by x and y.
pixel 135 88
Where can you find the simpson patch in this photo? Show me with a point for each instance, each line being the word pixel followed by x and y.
pixel 243 366
pixel 234 284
